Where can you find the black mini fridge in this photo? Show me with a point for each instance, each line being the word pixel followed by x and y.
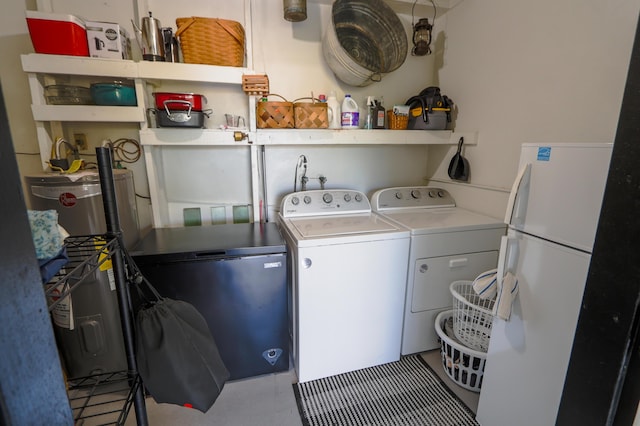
pixel 236 276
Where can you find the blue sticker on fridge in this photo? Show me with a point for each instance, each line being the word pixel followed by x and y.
pixel 544 153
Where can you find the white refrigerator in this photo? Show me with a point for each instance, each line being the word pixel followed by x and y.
pixel 552 218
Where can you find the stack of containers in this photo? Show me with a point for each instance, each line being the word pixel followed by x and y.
pixel 464 333
pixel 180 109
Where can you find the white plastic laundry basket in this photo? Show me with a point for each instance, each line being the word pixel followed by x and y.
pixel 472 316
pixel 463 365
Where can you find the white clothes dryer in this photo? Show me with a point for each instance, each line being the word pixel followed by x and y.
pixel 448 243
pixel 348 278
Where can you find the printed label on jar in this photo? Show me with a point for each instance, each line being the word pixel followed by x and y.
pixel 350 119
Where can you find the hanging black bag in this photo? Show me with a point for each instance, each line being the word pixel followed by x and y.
pixel 177 357
pixel 429 110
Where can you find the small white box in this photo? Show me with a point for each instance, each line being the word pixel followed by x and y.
pixel 107 40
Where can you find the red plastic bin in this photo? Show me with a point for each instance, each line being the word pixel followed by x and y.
pixel 57 34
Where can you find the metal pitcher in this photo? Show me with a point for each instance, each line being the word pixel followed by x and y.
pixel 150 39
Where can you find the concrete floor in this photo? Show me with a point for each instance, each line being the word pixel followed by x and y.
pixel 266 400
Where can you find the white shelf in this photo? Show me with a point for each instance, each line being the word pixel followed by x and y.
pixel 111 114
pixel 79 65
pixel 190 137
pixel 82 65
pixel 214 137
pixel 145 70
pixel 190 72
pixel 351 137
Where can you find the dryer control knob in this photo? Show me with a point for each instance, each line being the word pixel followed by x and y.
pixel 295 201
pixel 433 194
pixel 358 197
pixel 399 195
pixel 327 198
pixel 416 194
pixel 347 197
pixel 307 199
pixel 441 194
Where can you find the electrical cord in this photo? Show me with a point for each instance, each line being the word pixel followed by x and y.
pixel 127 150
pixel 122 154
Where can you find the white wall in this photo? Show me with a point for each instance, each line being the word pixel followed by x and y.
pixel 530 71
pixel 518 70
pixel 14 40
pixel 291 54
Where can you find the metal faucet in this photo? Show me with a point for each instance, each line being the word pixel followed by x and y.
pixel 322 180
pixel 302 164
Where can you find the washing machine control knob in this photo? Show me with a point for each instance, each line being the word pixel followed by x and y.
pixel 415 193
pixel 327 198
pixel 358 197
pixel 399 195
pixel 307 199
pixel 347 197
pixel 441 194
pixel 433 194
pixel 295 201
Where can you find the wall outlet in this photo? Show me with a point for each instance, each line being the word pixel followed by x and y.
pixel 80 139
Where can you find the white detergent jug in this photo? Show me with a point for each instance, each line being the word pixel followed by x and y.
pixel 334 111
pixel 350 114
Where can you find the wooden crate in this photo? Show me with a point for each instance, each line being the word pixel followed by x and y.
pixel 255 84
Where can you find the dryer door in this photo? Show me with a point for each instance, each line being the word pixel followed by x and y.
pixel 433 276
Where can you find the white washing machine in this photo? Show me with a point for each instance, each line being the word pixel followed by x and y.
pixel 348 278
pixel 447 244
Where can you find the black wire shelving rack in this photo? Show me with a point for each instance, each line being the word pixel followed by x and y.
pixel 104 398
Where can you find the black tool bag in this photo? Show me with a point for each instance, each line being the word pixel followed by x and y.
pixel 177 357
pixel 430 110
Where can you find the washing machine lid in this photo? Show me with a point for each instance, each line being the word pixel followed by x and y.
pixel 433 221
pixel 338 225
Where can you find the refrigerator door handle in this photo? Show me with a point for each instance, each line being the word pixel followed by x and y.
pixel 502 256
pixel 516 206
pixel 507 257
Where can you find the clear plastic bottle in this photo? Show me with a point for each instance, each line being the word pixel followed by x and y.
pixel 333 107
pixel 370 113
pixel 350 114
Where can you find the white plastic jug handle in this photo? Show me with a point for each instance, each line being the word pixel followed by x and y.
pixel 353 103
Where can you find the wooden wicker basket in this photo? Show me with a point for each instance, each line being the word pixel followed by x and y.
pixel 311 115
pixel 274 114
pixel 211 41
pixel 397 122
